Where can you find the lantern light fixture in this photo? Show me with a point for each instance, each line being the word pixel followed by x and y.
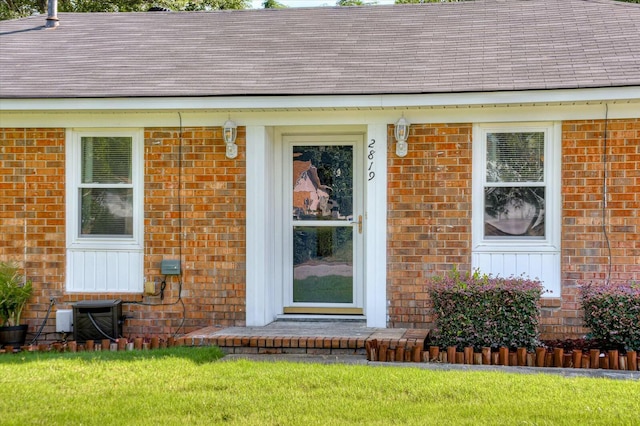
pixel 229 133
pixel 402 134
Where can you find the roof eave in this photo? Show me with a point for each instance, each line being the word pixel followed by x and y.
pixel 333 102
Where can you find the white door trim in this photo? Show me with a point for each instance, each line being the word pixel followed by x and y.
pixel 375 241
pixel 263 280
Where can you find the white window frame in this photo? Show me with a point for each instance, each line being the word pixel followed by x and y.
pixel 74 182
pixel 552 154
pixel 104 264
pixel 514 247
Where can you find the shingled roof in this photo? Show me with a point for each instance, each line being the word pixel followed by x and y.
pixel 460 47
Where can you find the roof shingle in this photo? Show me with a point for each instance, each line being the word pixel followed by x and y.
pixel 474 46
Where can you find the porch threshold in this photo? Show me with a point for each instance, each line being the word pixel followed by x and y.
pixel 305 338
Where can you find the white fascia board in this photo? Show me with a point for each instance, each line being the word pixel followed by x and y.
pixel 477 114
pixel 253 103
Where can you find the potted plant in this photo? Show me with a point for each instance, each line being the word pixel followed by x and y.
pixel 15 291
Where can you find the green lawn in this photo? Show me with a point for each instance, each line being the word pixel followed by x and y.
pixel 185 386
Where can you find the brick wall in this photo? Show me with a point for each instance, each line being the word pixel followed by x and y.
pixel 213 222
pixel 585 252
pixel 429 216
pixel 429 228
pixel 32 210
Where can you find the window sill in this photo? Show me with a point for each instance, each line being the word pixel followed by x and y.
pixel 550 302
pixel 105 245
pixel 516 247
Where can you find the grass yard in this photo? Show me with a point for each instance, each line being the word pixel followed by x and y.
pixel 185 386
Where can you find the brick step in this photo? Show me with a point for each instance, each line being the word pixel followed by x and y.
pixel 323 338
pixel 233 344
pixel 237 344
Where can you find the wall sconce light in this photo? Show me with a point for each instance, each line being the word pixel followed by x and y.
pixel 402 133
pixel 229 133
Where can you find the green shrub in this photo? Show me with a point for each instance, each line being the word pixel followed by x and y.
pixel 612 312
pixel 480 310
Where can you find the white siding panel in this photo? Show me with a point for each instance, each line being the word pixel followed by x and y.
pixel 115 263
pixel 536 266
pixel 88 272
pixel 99 273
pixel 509 266
pixel 487 263
pixel 544 266
pixel 104 271
pixel 135 282
pixel 496 263
pixel 118 266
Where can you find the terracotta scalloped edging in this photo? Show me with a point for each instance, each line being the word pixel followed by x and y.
pixel 388 352
pixel 122 344
pixel 542 357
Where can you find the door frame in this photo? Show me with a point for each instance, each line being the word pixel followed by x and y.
pixel 263 147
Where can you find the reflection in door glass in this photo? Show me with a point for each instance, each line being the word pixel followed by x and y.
pixel 323 264
pixel 323 182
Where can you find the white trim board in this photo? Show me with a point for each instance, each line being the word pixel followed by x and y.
pixel 253 103
pixel 205 118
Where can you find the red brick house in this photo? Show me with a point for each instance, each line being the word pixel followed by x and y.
pixel 522 157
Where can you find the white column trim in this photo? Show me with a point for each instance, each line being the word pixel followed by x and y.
pixel 376 224
pixel 259 228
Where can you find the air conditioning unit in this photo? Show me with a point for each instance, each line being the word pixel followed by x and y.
pixel 97 320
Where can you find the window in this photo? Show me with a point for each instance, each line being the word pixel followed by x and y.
pixel 516 201
pixel 105 210
pixel 106 186
pixel 514 187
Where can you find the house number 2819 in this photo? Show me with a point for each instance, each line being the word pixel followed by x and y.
pixel 371 156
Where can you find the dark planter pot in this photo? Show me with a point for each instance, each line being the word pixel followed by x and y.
pixel 13 336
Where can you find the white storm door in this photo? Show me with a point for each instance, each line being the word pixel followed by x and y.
pixel 323 197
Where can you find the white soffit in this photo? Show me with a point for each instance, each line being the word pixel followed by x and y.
pixel 333 102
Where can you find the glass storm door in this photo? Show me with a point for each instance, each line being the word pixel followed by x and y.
pixel 326 226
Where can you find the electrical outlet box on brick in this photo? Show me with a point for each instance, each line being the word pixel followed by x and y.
pixel 170 267
pixel 64 321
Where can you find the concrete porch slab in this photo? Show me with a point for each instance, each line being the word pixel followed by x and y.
pixel 304 329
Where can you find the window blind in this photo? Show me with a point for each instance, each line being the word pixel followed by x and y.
pixel 515 157
pixel 106 160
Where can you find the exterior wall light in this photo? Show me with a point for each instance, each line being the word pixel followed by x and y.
pixel 402 133
pixel 229 133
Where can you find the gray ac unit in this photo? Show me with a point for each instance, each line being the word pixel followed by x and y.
pixel 97 320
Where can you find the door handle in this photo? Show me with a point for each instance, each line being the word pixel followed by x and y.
pixel 359 222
